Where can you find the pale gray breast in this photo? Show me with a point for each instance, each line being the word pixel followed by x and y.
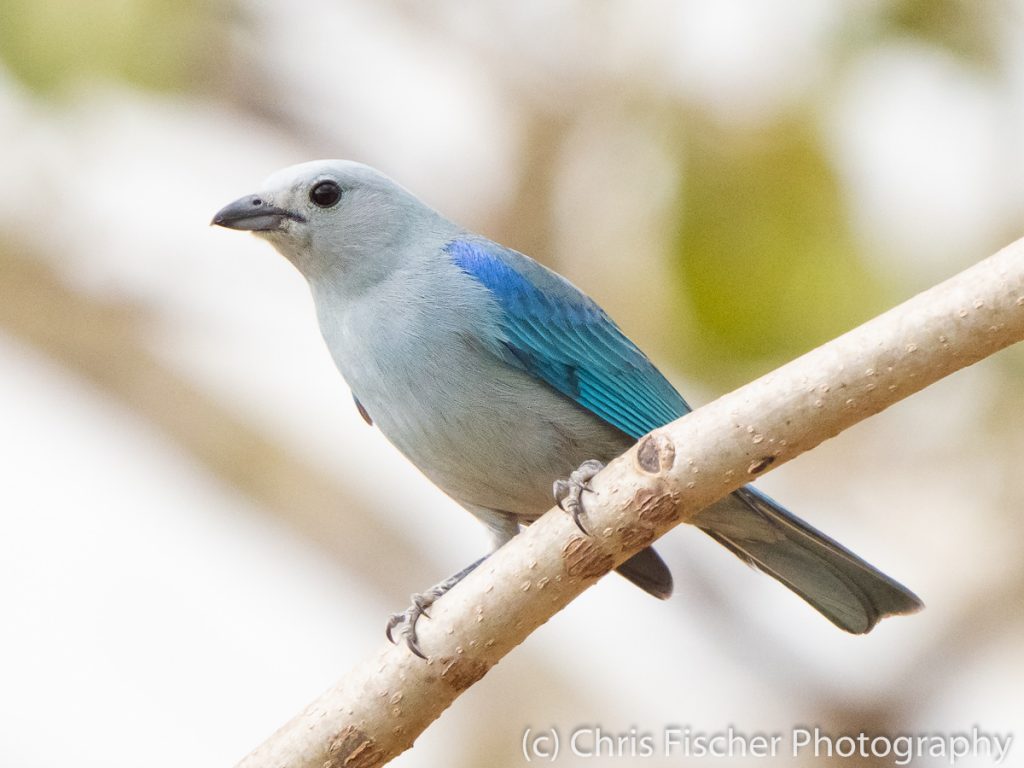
pixel 487 434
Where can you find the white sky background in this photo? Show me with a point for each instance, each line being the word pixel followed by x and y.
pixel 143 603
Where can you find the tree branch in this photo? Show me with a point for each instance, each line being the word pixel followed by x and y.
pixel 377 711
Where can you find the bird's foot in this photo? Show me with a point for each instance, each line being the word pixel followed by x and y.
pixel 569 492
pixel 406 620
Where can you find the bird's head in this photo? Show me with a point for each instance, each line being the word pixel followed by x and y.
pixel 333 217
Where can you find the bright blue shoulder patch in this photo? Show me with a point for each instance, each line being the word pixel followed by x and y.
pixel 558 334
pixel 496 275
pixel 519 283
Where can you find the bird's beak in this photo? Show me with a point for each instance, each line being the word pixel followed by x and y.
pixel 254 214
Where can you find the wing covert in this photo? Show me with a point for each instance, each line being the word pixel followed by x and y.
pixel 555 332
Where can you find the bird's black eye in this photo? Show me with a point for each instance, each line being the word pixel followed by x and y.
pixel 325 194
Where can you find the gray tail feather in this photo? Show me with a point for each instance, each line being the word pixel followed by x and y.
pixel 849 592
pixel 648 571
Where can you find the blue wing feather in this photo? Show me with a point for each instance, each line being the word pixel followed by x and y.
pixel 555 332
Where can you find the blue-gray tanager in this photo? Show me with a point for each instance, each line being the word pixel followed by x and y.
pixel 499 379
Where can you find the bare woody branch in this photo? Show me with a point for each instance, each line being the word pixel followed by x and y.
pixel 376 712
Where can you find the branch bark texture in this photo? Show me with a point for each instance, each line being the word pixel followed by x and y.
pixel 382 705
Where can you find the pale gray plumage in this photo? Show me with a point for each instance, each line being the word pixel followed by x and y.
pixel 496 377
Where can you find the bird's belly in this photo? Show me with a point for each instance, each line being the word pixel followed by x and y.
pixel 489 435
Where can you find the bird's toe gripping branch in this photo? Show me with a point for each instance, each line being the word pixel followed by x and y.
pixel 568 492
pixel 406 620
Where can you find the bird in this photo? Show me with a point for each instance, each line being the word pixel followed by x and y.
pixel 505 384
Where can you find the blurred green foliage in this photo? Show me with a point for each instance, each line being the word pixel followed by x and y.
pixel 765 257
pixel 961 27
pixel 158 44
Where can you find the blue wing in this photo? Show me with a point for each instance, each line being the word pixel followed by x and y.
pixel 555 332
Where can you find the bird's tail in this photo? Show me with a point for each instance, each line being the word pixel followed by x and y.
pixel 849 592
pixel 648 571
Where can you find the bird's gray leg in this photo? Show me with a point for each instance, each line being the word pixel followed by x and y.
pixel 569 492
pixel 406 620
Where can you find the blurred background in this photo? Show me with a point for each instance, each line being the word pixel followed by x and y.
pixel 198 534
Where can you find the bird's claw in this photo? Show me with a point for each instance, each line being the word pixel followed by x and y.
pixel 569 491
pixel 406 621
